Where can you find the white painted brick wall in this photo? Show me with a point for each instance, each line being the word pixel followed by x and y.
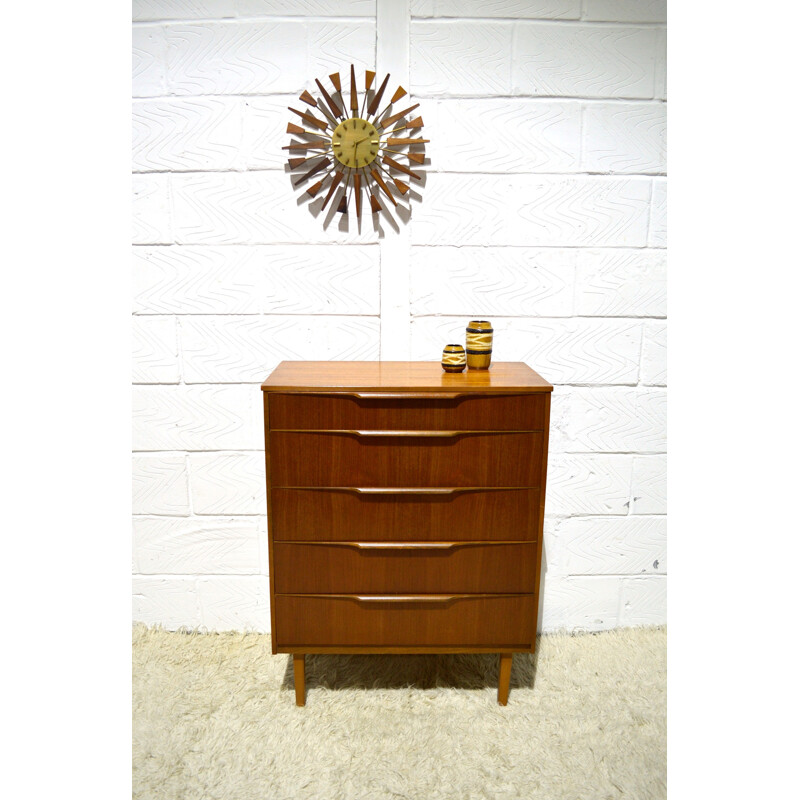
pixel 543 209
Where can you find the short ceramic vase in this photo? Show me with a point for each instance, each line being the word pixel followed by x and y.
pixel 479 344
pixel 454 359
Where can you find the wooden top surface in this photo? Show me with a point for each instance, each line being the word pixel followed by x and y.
pixel 400 376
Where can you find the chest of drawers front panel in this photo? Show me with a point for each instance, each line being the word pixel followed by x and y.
pixel 405 522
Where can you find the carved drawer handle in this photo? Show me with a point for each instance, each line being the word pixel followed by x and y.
pixel 407 395
pixel 429 599
pixel 405 545
pixel 416 434
pixel 410 491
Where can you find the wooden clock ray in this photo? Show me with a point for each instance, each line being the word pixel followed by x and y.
pixel 359 150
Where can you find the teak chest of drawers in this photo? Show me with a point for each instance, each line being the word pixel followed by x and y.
pixel 405 508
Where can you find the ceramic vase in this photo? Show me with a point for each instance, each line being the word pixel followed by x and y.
pixel 479 344
pixel 454 359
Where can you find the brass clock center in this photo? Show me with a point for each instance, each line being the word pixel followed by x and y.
pixel 355 143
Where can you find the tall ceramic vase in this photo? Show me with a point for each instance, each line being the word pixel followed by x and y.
pixel 479 344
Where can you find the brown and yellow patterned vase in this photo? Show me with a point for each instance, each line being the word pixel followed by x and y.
pixel 479 344
pixel 454 359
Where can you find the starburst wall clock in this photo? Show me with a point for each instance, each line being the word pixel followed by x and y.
pixel 358 150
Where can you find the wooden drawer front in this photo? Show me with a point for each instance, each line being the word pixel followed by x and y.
pixel 334 515
pixel 347 621
pixel 344 412
pixel 341 459
pixel 376 568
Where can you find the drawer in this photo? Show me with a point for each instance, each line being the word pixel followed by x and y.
pixel 380 567
pixel 506 621
pixel 386 515
pixel 357 412
pixel 328 458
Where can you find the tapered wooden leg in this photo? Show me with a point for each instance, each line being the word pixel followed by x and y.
pixel 299 663
pixel 505 678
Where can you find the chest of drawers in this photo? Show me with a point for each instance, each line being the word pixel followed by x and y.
pixel 405 509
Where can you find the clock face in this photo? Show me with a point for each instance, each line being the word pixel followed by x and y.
pixel 355 142
pixel 353 149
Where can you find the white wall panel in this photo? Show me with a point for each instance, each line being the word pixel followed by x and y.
pixel 621 283
pixel 201 133
pixel 205 417
pixel 557 60
pixel 549 211
pixel 197 546
pixel 246 349
pixel 160 485
pixel 658 214
pixel 492 280
pixel 625 138
pixel 458 58
pixel 496 135
pixel 228 483
pixel 609 546
pixel 155 350
pixel 649 485
pixel 236 57
pixel 654 354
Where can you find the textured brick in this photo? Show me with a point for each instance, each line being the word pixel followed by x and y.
pixel 608 545
pixel 228 483
pixel 169 602
pixel 234 603
pixel 658 214
pixel 181 9
pixel 196 418
pixel 149 49
pixel 584 60
pixel 234 349
pixel 625 138
pixel 321 279
pixel 535 210
pixel 236 57
pixel 489 9
pixel 160 485
pixel 291 279
pixel 488 135
pixel 201 133
pixel 303 8
pixel 194 546
pixel 333 46
pixel 264 130
pixel 626 10
pixel 649 485
pixel 581 603
pixel 150 209
pixel 560 403
pixel 155 350
pixel 661 65
pixel 492 280
pixel 644 601
pixel 620 283
pixel 460 58
pixel 588 484
pixel 653 371
pixel 198 279
pixel 617 421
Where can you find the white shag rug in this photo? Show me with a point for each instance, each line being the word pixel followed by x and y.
pixel 214 716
